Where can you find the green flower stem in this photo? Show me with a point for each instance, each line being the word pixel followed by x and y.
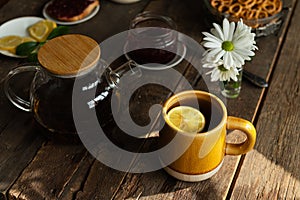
pixel 231 88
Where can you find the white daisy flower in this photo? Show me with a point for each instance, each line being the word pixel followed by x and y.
pixel 230 45
pixel 208 62
pixel 219 72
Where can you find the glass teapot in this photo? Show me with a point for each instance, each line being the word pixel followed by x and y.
pixel 63 60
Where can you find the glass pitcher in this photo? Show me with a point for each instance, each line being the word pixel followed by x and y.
pixel 154 39
pixel 61 61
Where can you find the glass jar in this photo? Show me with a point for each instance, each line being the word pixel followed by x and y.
pixel 152 38
pixel 264 17
pixel 231 89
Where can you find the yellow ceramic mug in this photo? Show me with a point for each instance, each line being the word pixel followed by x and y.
pixel 204 152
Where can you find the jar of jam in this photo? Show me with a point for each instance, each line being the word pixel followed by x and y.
pixel 62 61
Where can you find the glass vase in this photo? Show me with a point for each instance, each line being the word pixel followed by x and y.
pixel 231 89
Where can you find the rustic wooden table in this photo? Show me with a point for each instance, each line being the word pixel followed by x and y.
pixel 33 166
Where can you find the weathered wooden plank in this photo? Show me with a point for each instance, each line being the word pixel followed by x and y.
pixel 21 8
pixel 158 185
pixel 74 185
pixel 248 103
pixel 48 173
pixel 101 183
pixel 18 145
pixel 7 110
pixel 81 169
pixel 2 2
pixel 142 100
pixel 19 142
pixel 112 19
pixel 188 15
pixel 40 179
pixel 271 171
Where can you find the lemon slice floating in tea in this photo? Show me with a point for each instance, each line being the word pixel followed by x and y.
pixel 187 119
pixel 41 30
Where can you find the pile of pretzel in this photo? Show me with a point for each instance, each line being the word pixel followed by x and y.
pixel 248 9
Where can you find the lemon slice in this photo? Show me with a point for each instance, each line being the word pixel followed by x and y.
pixel 28 39
pixel 9 43
pixel 41 30
pixel 50 24
pixel 187 119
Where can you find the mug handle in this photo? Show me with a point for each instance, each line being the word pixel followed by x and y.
pixel 245 126
pixel 11 95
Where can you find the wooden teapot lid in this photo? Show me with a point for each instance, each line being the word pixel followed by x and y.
pixel 69 55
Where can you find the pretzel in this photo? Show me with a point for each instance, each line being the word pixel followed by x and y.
pixel 269 7
pixel 247 3
pixel 252 14
pixel 215 3
pixel 278 5
pixel 223 8
pixel 259 2
pixel 248 9
pixel 235 9
pixel 262 14
pixel 227 2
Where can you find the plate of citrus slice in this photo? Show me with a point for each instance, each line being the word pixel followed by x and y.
pixel 24 29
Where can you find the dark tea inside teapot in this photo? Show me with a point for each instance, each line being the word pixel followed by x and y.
pixel 62 61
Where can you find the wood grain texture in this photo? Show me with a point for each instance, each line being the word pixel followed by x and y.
pixel 163 186
pixel 18 146
pixel 8 112
pixel 3 2
pixel 101 183
pixel 18 139
pixel 112 19
pixel 69 54
pixel 271 171
pixel 67 171
pixel 48 173
pixel 159 185
pixel 19 8
pixel 50 185
pixel 141 102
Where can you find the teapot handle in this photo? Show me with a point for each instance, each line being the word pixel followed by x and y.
pixel 11 95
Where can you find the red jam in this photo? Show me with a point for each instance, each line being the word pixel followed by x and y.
pixel 67 8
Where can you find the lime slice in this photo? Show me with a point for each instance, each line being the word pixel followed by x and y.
pixel 187 119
